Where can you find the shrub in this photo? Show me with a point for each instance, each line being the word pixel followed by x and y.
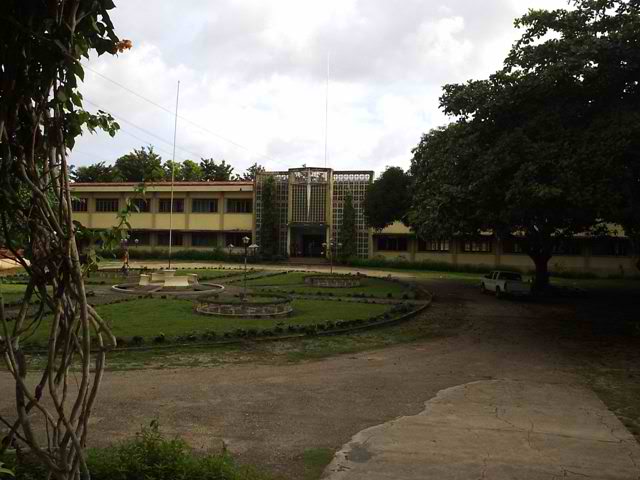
pixel 137 340
pixel 159 339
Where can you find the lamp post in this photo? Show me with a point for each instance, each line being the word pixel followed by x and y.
pixel 231 246
pixel 330 247
pixel 245 242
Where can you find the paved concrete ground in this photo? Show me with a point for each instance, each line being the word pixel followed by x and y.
pixel 270 413
pixel 496 429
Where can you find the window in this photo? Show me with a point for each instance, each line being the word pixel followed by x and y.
pixel 433 245
pixel 165 205
pixel 176 239
pixel 143 238
pixel 204 205
pixel 235 239
pixel 204 239
pixel 612 247
pixel 480 245
pixel 513 246
pixel 239 205
pixel 144 206
pixel 392 244
pixel 107 205
pixel 79 204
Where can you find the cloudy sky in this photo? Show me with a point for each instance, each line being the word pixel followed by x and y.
pixel 253 76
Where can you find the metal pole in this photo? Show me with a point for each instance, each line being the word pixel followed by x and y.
pixel 173 174
pixel 245 271
pixel 326 117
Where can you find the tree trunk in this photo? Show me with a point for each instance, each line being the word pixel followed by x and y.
pixel 541 280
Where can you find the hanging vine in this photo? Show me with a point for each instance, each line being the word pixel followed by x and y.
pixel 41 115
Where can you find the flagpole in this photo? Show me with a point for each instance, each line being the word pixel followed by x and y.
pixel 173 173
pixel 326 117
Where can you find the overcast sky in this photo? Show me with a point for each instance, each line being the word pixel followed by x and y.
pixel 253 76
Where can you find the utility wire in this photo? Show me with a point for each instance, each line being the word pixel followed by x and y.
pixel 166 110
pixel 122 119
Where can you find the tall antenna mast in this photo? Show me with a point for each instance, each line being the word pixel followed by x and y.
pixel 173 174
pixel 326 117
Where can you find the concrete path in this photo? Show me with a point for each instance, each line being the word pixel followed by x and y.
pixel 496 429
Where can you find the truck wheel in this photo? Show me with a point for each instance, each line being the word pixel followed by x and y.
pixel 498 292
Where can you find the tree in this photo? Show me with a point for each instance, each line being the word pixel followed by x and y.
pixel 251 173
pixel 269 218
pixel 521 158
pixel 98 172
pixel 41 115
pixel 142 165
pixel 190 171
pixel 388 198
pixel 349 229
pixel 215 172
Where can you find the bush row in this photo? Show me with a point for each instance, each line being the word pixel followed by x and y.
pixel 278 330
pixel 148 456
pixel 208 255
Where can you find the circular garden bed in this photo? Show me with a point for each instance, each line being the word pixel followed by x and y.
pixel 332 281
pixel 245 306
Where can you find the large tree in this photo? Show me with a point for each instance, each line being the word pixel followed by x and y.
pixel 388 198
pixel 251 173
pixel 41 48
pixel 142 165
pixel 97 172
pixel 528 155
pixel 190 171
pixel 213 171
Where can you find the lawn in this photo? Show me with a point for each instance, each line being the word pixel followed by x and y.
pixel 149 317
pixel 11 292
pixel 294 282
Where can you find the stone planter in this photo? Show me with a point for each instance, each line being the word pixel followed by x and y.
pixel 332 281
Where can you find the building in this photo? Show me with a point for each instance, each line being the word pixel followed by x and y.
pixel 205 214
pixel 309 203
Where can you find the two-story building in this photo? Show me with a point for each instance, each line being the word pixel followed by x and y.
pixel 309 204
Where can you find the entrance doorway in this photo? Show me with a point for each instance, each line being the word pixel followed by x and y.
pixel 312 245
pixel 306 241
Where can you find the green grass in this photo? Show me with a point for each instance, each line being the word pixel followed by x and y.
pixel 12 293
pixel 149 317
pixel 315 461
pixel 294 282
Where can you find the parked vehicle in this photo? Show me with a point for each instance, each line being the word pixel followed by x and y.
pixel 504 283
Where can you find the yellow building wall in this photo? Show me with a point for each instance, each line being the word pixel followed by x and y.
pixel 238 221
pixel 204 221
pixel 444 257
pixel 178 222
pixel 141 221
pixel 102 220
pixel 613 265
pixel 480 259
pixel 83 218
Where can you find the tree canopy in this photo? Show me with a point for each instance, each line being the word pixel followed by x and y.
pixel 42 49
pixel 142 165
pixel 541 148
pixel 388 198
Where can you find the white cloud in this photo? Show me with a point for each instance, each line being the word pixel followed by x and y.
pixel 253 72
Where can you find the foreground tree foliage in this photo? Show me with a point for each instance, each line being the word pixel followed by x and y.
pixel 548 146
pixel 388 198
pixel 41 45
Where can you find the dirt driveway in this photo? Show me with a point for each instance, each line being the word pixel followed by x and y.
pixel 269 414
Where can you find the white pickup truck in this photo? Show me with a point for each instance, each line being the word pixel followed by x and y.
pixel 504 283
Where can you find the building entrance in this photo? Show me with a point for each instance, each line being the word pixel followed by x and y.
pixel 307 241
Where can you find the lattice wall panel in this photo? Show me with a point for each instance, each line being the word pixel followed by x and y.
pixel 355 183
